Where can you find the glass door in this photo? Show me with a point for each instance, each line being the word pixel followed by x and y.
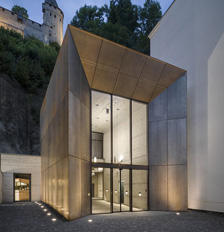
pixel 121 183
pixel 22 187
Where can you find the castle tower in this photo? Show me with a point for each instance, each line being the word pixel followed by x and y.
pixel 53 20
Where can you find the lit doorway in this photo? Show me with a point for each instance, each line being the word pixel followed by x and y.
pixel 22 187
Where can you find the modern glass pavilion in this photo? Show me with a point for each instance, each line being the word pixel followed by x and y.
pixel 113 130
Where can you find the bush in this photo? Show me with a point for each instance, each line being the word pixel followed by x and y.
pixel 28 60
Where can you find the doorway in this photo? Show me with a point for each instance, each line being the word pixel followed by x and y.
pixel 121 190
pixel 22 187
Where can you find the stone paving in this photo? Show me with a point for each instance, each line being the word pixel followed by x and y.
pixel 31 217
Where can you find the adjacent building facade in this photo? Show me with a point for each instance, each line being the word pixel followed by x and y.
pixel 113 130
pixel 50 31
pixel 191 35
pixel 20 178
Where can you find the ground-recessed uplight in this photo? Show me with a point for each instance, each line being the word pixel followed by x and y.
pixel 53 219
pixel 140 194
pixel 177 213
pixel 49 214
pixel 90 220
pixel 45 210
pixel 42 206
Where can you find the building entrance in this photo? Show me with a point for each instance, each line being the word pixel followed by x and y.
pixel 119 156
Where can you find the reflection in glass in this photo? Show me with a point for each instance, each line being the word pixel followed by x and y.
pixel 101 132
pixel 139 134
pixel 139 190
pixel 121 130
pixel 100 190
pixel 22 187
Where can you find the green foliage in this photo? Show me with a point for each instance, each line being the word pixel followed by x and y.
pixel 121 22
pixel 28 60
pixel 20 10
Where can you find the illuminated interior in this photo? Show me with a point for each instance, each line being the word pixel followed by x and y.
pixel 119 154
pixel 22 187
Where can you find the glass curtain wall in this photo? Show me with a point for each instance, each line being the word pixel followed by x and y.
pixel 119 138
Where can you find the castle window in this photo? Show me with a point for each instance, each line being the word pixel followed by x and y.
pixel 12 13
pixel 55 16
pixel 60 20
pixel 3 9
pixel 49 34
pixel 50 14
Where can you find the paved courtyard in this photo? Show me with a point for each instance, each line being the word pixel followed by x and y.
pixel 31 217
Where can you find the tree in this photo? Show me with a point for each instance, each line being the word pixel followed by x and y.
pixel 121 22
pixel 20 10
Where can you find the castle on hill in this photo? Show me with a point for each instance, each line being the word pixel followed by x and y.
pixel 50 31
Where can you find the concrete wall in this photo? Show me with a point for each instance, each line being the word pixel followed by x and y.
pixel 65 136
pixel 167 149
pixel 191 36
pixel 25 164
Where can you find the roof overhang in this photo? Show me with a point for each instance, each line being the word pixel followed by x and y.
pixel 121 71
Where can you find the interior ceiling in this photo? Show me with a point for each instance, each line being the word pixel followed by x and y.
pixel 121 71
pixel 101 117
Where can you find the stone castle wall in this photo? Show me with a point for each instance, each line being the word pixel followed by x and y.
pixel 50 30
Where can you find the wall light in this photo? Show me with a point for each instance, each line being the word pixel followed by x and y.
pixel 121 158
pixel 95 159
pixel 115 191
pixel 126 192
pixel 140 194
pixel 106 190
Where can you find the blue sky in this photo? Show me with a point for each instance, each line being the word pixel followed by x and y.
pixel 69 7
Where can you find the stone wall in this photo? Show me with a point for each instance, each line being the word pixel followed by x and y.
pixel 50 30
pixel 19 133
pixel 25 164
pixel 26 27
pixel 167 149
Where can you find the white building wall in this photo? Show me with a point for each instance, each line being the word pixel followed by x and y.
pixel 191 36
pixel 25 164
